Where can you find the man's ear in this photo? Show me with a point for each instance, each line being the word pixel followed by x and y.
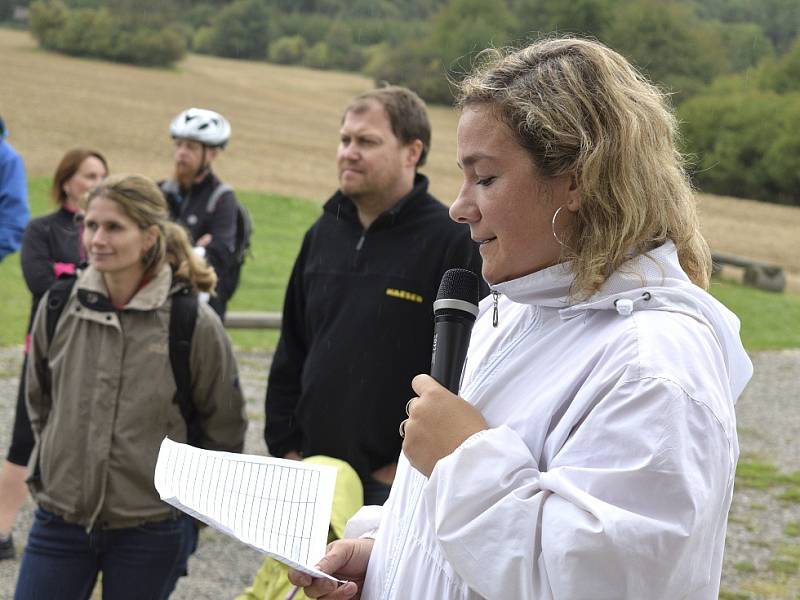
pixel 413 152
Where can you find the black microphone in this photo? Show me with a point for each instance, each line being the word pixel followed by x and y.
pixel 454 315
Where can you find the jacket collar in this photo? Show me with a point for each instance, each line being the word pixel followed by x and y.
pixel 92 291
pixel 650 281
pixel 171 186
pixel 342 207
pixel 551 287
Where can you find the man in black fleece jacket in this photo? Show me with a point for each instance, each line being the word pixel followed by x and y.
pixel 358 316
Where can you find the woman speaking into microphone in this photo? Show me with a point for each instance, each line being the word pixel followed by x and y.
pixel 592 450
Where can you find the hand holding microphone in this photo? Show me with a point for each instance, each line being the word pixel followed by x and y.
pixel 438 423
pixel 439 420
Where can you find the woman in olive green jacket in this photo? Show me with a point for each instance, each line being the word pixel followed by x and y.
pixel 101 397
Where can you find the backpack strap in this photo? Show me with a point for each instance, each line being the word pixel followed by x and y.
pixel 57 298
pixel 182 319
pixel 169 186
pixel 222 188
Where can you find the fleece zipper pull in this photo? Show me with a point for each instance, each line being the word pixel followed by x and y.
pixel 495 315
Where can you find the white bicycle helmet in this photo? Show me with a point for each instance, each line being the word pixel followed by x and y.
pixel 201 125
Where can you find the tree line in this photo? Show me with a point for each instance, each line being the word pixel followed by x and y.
pixel 732 67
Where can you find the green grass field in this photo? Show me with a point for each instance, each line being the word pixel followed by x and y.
pixel 769 321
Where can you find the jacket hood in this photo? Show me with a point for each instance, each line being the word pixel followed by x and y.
pixel 650 281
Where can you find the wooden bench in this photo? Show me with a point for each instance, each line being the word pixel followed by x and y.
pixel 756 274
pixel 253 320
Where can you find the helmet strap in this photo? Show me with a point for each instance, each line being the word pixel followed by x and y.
pixel 204 166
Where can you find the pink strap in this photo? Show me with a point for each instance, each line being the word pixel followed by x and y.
pixel 63 269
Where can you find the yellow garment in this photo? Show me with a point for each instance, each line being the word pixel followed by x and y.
pixel 271 582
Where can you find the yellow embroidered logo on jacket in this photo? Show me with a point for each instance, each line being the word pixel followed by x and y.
pixel 404 295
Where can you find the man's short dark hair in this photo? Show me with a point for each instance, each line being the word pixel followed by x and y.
pixel 407 114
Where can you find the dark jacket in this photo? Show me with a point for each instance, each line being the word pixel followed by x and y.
pixel 190 209
pixel 51 239
pixel 357 327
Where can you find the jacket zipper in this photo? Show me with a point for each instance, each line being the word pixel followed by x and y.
pixel 495 312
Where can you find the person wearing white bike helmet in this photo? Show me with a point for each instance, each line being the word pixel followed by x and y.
pixel 202 203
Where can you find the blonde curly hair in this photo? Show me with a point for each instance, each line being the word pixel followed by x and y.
pixel 580 108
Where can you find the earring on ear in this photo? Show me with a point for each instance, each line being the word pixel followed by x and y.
pixel 553 227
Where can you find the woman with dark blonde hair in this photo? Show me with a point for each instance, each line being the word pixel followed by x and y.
pixel 50 249
pixel 592 450
pixel 102 396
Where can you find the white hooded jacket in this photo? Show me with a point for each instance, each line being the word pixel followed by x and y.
pixel 607 471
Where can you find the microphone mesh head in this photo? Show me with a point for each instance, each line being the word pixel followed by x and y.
pixel 460 284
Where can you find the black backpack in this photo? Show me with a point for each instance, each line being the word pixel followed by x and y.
pixel 182 319
pixel 244 224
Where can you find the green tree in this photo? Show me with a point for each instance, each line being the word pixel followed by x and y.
pixel 99 33
pixel 318 56
pixel 86 32
pixel 745 44
pixel 782 160
pixel 742 144
pixel 6 9
pixel 427 63
pixel 585 17
pixel 241 30
pixel 465 27
pixel 779 19
pixel 343 52
pixel 47 18
pixel 287 50
pixel 668 42
pixel 149 47
pixel 784 76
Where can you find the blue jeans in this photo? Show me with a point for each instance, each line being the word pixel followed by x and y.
pixel 61 560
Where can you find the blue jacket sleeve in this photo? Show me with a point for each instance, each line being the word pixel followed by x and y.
pixel 14 212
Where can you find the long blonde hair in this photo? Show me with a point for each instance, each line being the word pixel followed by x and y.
pixel 143 202
pixel 580 108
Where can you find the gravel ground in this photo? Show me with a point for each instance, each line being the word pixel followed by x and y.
pixel 769 419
